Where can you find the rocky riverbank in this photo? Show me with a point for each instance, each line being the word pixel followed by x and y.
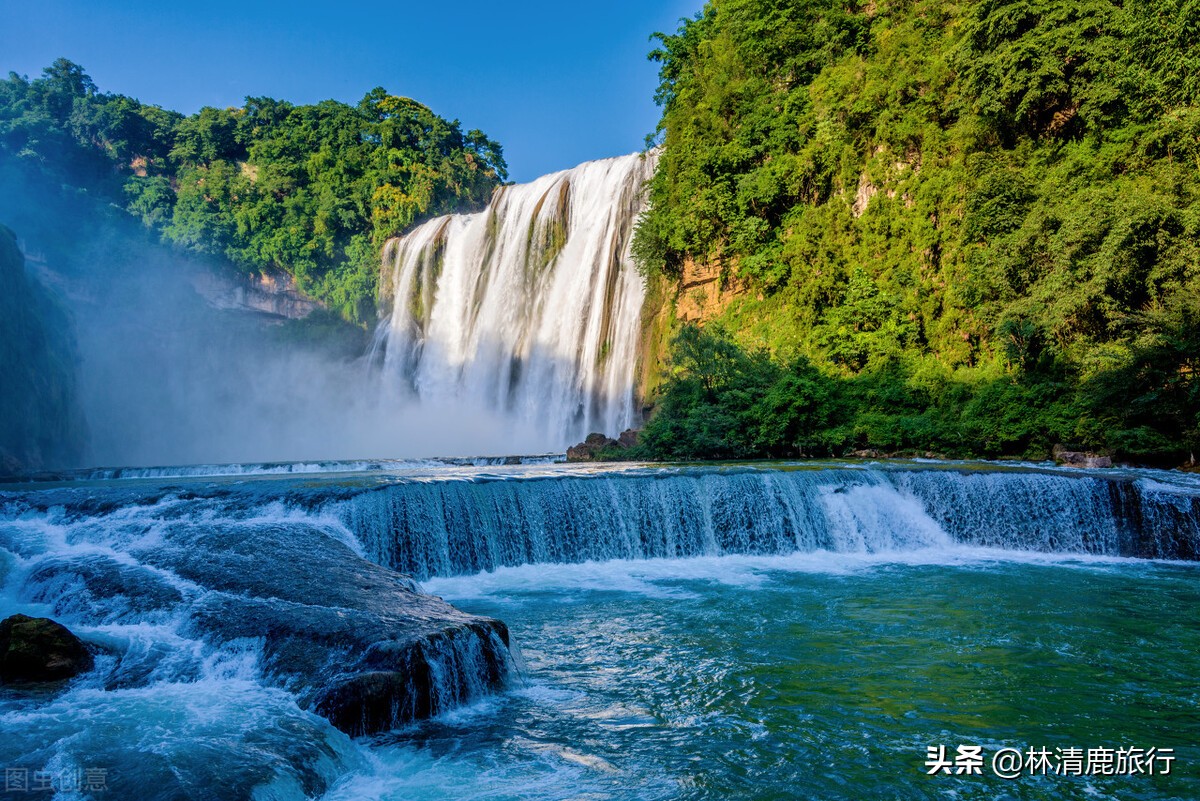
pixel 355 642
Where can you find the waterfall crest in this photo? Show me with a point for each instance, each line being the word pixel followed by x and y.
pixel 446 528
pixel 531 307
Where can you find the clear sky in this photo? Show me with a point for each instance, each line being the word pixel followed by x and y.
pixel 556 83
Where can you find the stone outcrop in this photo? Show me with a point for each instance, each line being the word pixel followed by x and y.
pixel 629 438
pixel 590 448
pixel 1070 458
pixel 356 642
pixel 272 293
pixel 704 291
pixel 595 445
pixel 37 649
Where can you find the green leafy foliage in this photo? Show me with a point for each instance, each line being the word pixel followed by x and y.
pixel 720 402
pixel 979 220
pixel 310 190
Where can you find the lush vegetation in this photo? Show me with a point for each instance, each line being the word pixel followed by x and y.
pixel 309 190
pixel 969 228
pixel 723 402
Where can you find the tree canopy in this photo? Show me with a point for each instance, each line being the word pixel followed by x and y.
pixel 970 196
pixel 311 190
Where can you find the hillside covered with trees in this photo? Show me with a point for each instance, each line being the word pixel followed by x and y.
pixel 970 228
pixel 312 191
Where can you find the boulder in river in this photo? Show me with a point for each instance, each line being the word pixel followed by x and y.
pixel 37 649
pixel 357 642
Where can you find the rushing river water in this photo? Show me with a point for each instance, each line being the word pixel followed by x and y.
pixel 815 676
pixel 812 642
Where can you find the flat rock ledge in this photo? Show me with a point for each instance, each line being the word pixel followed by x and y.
pixel 355 641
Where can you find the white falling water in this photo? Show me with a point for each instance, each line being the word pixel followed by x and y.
pixel 531 307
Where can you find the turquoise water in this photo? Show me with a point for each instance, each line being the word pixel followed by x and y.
pixel 814 677
pixel 686 633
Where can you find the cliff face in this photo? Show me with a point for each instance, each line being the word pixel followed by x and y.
pixel 272 293
pixel 705 290
pixel 703 293
pixel 40 425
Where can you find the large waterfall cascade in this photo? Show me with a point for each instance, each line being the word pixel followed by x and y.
pixel 531 307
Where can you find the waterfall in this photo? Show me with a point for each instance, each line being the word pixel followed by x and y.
pixel 444 520
pixel 444 528
pixel 531 307
pixel 265 594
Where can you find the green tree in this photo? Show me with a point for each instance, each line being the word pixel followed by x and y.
pixel 313 191
pixel 971 218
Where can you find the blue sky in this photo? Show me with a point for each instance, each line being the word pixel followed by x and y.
pixel 556 83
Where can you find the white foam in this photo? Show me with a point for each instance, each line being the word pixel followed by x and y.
pixel 646 577
pixel 532 305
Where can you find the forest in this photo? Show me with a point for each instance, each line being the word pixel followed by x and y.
pixel 309 190
pixel 960 229
pixel 964 228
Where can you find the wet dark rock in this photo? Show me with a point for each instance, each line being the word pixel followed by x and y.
pixel 590 448
pixel 629 438
pixel 356 642
pixel 37 649
pixel 363 702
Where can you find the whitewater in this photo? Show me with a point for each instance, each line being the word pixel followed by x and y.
pixel 531 307
pixel 677 632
